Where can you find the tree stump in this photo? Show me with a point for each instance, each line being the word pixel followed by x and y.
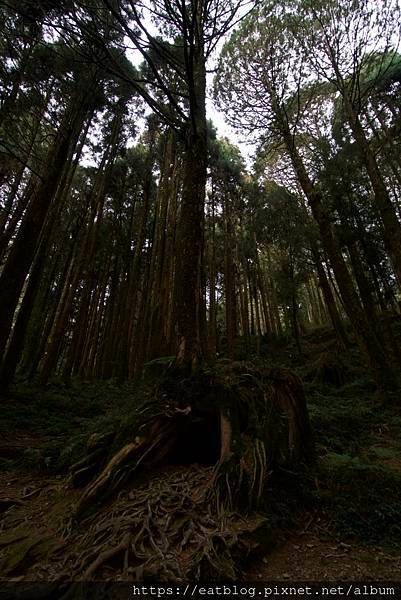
pixel 243 420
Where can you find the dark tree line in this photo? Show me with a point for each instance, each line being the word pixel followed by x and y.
pixel 129 231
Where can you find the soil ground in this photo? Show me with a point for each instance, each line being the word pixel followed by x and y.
pixel 317 555
pixel 309 551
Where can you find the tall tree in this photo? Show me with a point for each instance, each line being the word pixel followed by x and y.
pixel 261 84
pixel 173 83
pixel 351 45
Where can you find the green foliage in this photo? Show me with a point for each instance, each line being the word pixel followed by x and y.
pixel 359 469
pixel 62 419
pixel 358 441
pixel 367 498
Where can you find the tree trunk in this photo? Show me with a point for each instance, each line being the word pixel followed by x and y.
pixel 22 252
pixel 190 231
pixel 330 303
pixel 385 378
pixel 391 224
pixel 229 280
pixel 212 284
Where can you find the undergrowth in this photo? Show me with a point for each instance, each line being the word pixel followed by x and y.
pixel 62 418
pixel 356 481
pixel 358 472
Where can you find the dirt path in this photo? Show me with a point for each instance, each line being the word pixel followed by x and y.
pixel 319 555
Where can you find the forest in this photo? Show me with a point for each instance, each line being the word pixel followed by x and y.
pixel 200 292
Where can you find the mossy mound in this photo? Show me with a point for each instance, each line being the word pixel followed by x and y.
pixel 243 420
pixel 363 498
pixel 329 368
pixel 174 485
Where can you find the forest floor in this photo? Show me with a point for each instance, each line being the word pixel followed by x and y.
pixel 340 523
pixel 310 550
pixel 320 554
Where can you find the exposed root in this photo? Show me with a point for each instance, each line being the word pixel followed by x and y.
pixel 261 419
pixel 162 530
pixel 95 489
pixel 107 555
pixel 175 520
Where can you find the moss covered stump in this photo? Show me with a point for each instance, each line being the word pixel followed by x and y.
pixel 243 420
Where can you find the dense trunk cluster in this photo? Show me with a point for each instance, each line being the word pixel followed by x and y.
pixel 322 98
pixel 137 246
pixel 120 245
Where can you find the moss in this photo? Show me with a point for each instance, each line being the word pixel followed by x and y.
pixel 360 467
pixel 363 499
pixel 358 440
pixel 27 551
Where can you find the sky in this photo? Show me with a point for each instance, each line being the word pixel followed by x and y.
pixel 224 129
pixel 216 116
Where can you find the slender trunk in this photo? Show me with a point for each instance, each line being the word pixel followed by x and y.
pixel 384 376
pixel 264 300
pixel 136 292
pixel 212 283
pixel 22 252
pixel 330 302
pixel 387 212
pixel 188 275
pixel 229 280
